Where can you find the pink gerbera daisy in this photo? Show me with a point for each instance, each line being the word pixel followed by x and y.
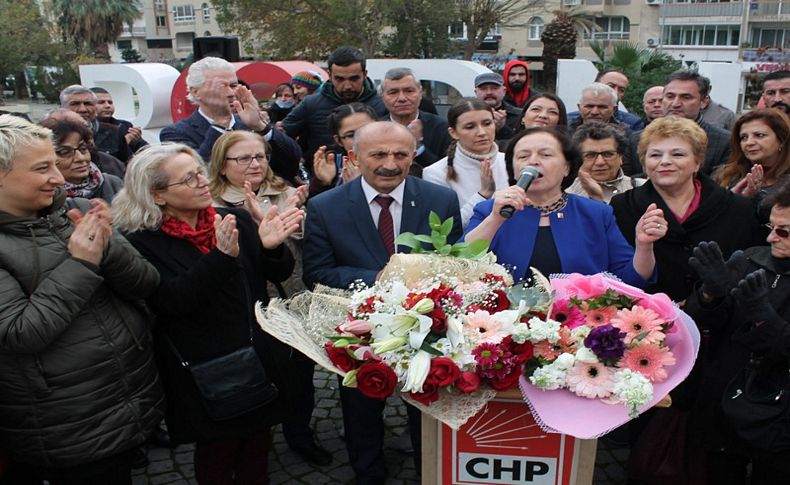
pixel 487 354
pixel 649 360
pixel 590 380
pixel 483 326
pixel 599 316
pixel 568 315
pixel 637 321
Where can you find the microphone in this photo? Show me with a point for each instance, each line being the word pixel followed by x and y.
pixel 528 174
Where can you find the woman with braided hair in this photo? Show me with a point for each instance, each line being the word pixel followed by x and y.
pixel 474 168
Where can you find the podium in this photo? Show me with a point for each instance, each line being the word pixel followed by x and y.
pixel 503 444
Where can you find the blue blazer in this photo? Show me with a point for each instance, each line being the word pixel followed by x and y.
pixel 585 233
pixel 196 132
pixel 341 242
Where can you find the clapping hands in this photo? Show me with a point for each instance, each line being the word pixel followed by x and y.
pixel 718 277
pixel 92 232
pixel 273 227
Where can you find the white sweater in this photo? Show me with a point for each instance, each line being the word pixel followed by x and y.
pixel 467 183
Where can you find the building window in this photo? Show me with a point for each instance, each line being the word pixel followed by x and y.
pixel 184 40
pixel 701 35
pixel 206 12
pixel 159 5
pixel 161 21
pixel 124 44
pixel 159 43
pixel 183 13
pixel 536 26
pixel 770 38
pixel 457 31
pixel 610 28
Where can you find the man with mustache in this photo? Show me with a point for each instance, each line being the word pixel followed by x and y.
pixel 349 235
pixel 348 82
pixel 776 90
pixel 619 83
pixel 516 76
pixel 685 95
pixel 490 88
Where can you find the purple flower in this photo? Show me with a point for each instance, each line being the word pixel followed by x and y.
pixel 606 342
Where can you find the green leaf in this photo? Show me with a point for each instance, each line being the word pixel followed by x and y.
pixel 445 250
pixel 427 347
pixel 434 222
pixel 407 239
pixel 439 242
pixel 447 226
pixel 641 336
pixel 424 238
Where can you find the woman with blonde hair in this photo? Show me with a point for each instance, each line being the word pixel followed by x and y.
pixel 213 265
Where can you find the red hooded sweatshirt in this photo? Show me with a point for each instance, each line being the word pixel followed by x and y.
pixel 518 99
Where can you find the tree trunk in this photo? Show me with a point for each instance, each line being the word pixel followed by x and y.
pixel 550 74
pixel 20 85
pixel 469 49
pixel 102 53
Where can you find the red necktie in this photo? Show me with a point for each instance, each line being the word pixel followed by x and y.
pixel 386 228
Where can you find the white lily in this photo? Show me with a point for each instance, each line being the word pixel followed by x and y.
pixel 418 371
pixel 426 305
pixel 455 331
pixel 387 344
pixel 417 334
pixel 387 324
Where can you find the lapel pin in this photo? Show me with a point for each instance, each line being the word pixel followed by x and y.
pixel 560 215
pixel 412 203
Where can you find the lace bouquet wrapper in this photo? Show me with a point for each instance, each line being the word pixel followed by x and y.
pixel 610 352
pixel 447 333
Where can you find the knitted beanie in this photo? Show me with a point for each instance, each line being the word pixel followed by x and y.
pixel 308 79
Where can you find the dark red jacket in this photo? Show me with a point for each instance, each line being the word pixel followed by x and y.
pixel 516 99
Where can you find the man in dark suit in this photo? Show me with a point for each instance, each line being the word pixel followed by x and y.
pixel 685 94
pixel 107 138
pixel 348 238
pixel 214 88
pixel 401 92
pixel 105 111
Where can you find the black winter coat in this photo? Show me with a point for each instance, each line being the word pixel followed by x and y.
pixel 731 339
pixel 722 216
pixel 78 380
pixel 205 305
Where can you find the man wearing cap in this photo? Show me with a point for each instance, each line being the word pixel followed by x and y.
pixel 348 82
pixel 305 83
pixel 490 88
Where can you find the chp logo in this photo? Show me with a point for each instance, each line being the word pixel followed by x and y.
pixel 504 444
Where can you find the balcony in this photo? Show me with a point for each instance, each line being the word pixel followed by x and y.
pixel 134 32
pixel 769 11
pixel 729 11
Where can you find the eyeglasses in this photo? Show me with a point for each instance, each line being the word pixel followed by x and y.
pixel 247 159
pixel 780 231
pixel 66 151
pixel 192 180
pixel 607 155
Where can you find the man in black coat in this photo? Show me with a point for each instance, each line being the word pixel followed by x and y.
pixel 685 94
pixel 401 92
pixel 214 88
pixel 107 138
pixel 348 82
pixel 105 111
pixel 490 88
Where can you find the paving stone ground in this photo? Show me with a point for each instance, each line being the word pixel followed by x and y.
pixel 174 466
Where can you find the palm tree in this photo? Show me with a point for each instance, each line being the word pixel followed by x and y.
pixel 92 24
pixel 559 41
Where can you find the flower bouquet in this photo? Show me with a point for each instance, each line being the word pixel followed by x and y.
pixel 616 349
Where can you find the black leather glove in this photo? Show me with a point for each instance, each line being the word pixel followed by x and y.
pixel 718 277
pixel 751 295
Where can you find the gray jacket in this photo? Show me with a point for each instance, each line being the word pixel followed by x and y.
pixel 77 377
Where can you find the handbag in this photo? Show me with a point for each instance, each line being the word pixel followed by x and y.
pixel 232 384
pixel 758 409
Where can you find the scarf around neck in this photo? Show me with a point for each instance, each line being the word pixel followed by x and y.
pixel 89 186
pixel 202 236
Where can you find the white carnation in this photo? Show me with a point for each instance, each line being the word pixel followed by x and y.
pixel 520 333
pixel 549 377
pixel 544 330
pixel 632 388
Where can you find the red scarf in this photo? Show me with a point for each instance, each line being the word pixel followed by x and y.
pixel 695 201
pixel 202 236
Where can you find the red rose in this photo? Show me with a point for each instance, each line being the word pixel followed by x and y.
pixel 468 382
pixel 438 321
pixel 496 302
pixel 429 394
pixel 522 352
pixel 443 372
pixel 340 358
pixel 507 382
pixel 376 380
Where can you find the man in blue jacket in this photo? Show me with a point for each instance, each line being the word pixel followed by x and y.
pixel 348 82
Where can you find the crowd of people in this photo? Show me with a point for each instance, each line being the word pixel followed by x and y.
pixel 130 271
